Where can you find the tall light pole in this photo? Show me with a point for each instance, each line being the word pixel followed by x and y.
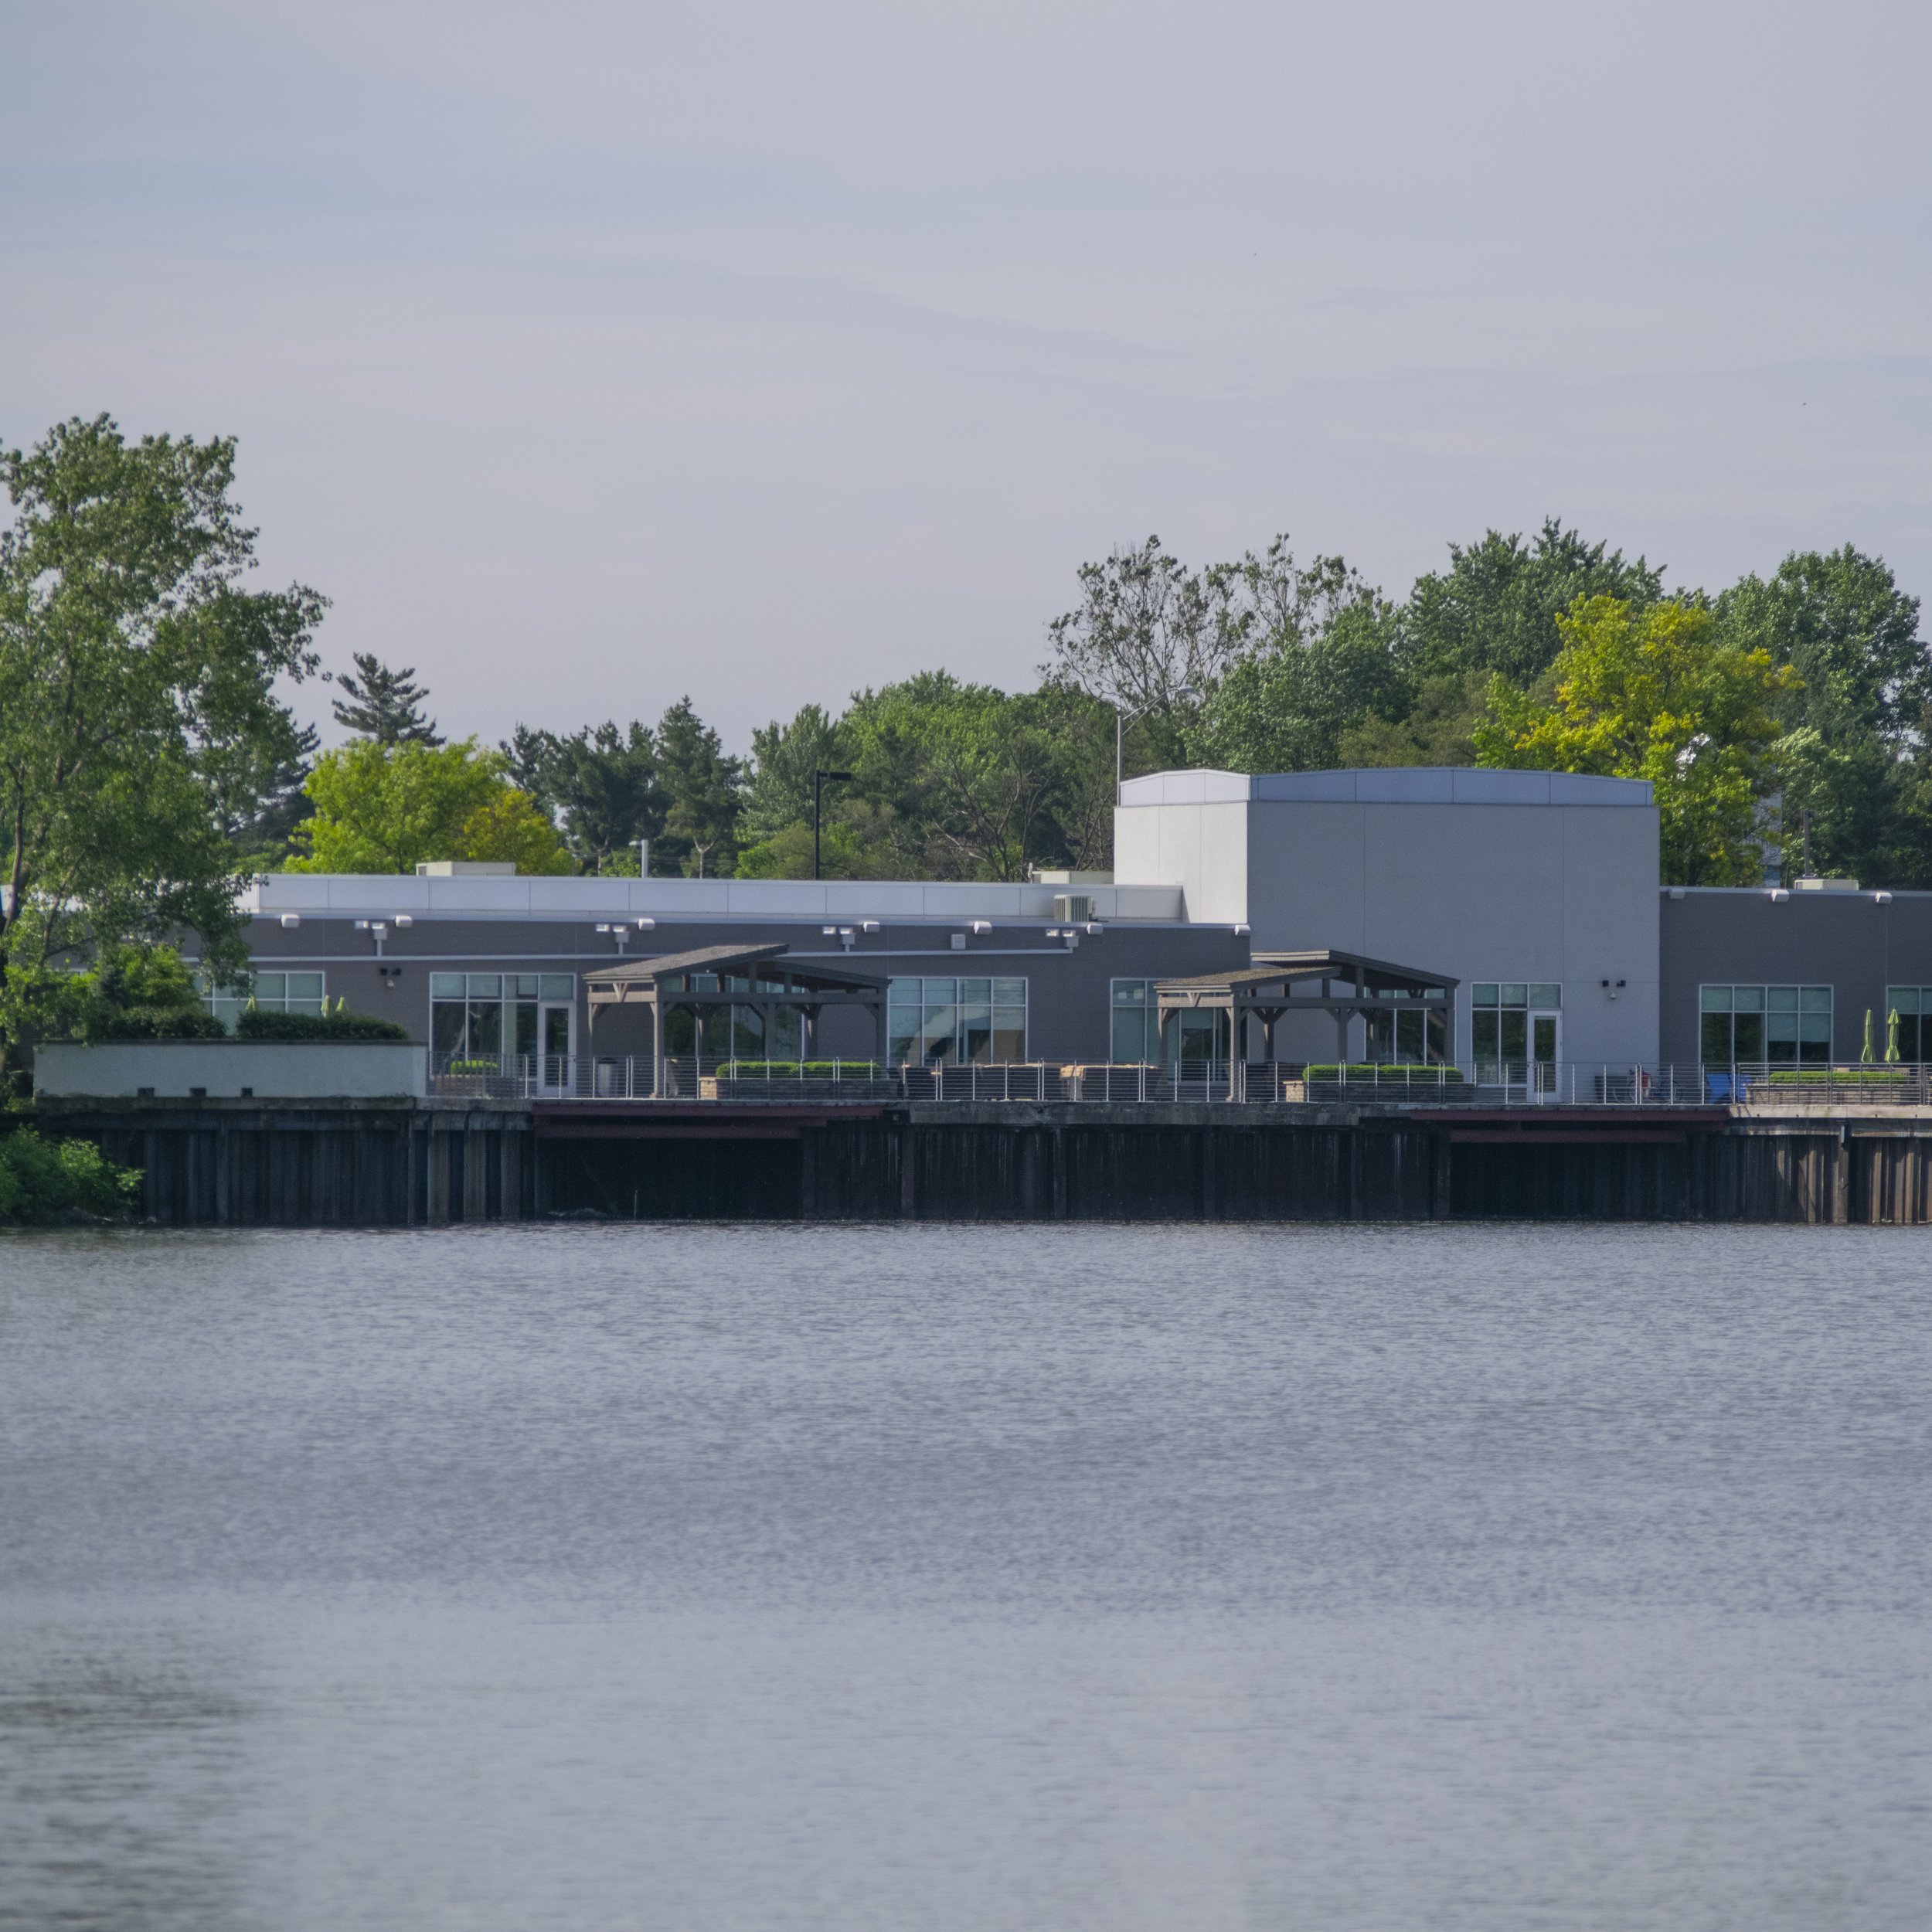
pixel 819 781
pixel 1123 718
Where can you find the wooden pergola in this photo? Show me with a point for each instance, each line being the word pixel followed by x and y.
pixel 1341 984
pixel 762 978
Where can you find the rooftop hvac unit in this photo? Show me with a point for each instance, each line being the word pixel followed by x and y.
pixel 1074 908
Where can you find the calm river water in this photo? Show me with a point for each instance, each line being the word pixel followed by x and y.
pixel 937 1577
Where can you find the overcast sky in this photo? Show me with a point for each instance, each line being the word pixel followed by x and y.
pixel 586 355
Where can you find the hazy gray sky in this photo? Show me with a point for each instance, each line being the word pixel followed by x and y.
pixel 585 355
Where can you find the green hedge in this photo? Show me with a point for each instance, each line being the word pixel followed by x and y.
pixel 798 1070
pixel 42 1181
pixel 1892 1075
pixel 256 1022
pixel 1397 1073
pixel 139 1022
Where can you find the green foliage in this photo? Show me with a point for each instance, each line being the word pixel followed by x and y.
pixel 1653 694
pixel 140 742
pixel 1388 1073
pixel 783 756
pixel 384 706
pixel 1496 608
pixel 1288 706
pixel 600 785
pixel 43 1181
pixel 256 1022
pixel 950 781
pixel 703 786
pixel 796 1069
pixel 1859 1076
pixel 1846 797
pixel 135 992
pixel 387 808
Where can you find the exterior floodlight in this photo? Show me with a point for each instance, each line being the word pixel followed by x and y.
pixel 830 932
pixel 362 925
pixel 647 925
pixel 1094 929
pixel 404 921
pixel 869 925
pixel 290 921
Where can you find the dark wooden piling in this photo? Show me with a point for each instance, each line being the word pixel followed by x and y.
pixel 370 1164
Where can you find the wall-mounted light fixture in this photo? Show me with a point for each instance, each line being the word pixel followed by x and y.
pixel 1615 988
pixel 290 921
pixel 869 925
pixel 982 925
pixel 647 925
pixel 404 921
pixel 619 934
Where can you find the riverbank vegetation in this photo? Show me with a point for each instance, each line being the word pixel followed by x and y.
pixel 44 1181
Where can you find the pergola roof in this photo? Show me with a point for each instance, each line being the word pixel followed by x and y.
pixel 1365 982
pixel 645 976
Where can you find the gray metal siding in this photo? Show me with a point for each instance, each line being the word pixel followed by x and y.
pixel 1067 991
pixel 1848 941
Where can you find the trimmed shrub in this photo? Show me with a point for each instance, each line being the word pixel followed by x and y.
pixel 1395 1072
pixel 149 1023
pixel 799 1070
pixel 42 1181
pixel 1860 1076
pixel 256 1022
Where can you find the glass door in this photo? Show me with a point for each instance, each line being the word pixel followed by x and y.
pixel 554 1075
pixel 1544 1029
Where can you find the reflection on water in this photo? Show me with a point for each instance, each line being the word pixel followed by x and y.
pixel 966 1578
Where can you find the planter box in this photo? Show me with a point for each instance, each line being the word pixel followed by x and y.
pixel 714 1087
pixel 230 1070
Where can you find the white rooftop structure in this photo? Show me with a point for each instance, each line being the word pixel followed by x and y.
pixel 1543 881
pixel 473 896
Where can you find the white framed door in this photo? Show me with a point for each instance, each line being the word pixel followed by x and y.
pixel 1545 1042
pixel 556 1023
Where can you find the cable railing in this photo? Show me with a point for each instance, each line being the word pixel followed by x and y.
pixel 1756 1088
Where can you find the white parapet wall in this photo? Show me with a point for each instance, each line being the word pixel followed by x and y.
pixel 229 1069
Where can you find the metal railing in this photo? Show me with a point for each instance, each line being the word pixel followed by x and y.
pixel 1568 1083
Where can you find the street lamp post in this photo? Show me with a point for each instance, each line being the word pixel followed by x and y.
pixel 819 781
pixel 1123 718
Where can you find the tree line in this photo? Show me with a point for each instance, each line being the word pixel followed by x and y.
pixel 149 760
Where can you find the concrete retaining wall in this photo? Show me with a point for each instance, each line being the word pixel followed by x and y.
pixel 229 1070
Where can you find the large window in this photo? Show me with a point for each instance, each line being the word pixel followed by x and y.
pixel 1134 1037
pixel 1500 1032
pixel 500 1016
pixel 1913 1006
pixel 963 1023
pixel 271 992
pixel 1765 1025
pixel 1418 1038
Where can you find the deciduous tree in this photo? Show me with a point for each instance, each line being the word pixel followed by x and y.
pixel 139 727
pixel 1652 693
